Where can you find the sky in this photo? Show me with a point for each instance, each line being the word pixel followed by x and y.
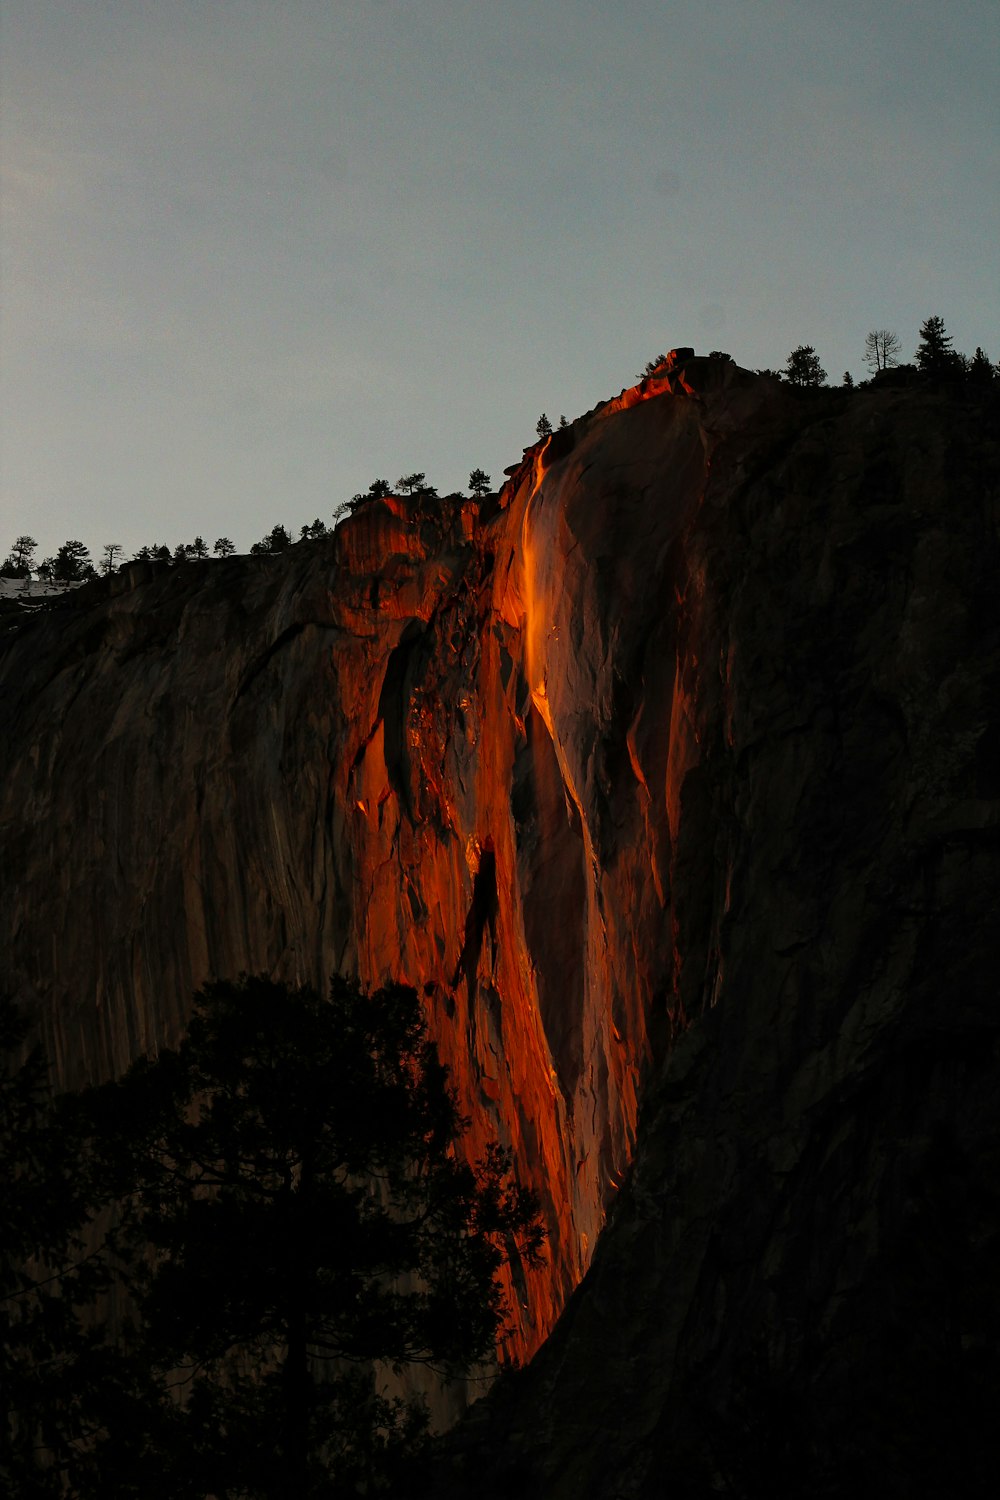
pixel 255 254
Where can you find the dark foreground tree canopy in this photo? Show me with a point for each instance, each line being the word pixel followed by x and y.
pixel 46 1275
pixel 291 1219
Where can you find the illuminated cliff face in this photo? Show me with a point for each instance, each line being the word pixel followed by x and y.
pixel 439 748
pixel 797 1285
pixel 672 774
pixel 520 722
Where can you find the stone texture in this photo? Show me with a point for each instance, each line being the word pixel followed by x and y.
pixel 797 1294
pixel 676 765
pixel 432 748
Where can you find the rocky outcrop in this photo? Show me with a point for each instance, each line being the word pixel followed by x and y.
pixel 673 767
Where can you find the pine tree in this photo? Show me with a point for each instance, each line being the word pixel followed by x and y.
pixel 411 483
pixel 73 563
pixel 934 353
pixel 982 371
pixel 803 367
pixel 18 563
pixel 276 540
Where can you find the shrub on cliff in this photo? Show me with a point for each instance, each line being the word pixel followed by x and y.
pixel 294 1212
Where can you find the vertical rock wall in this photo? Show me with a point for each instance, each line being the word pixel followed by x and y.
pixel 577 767
pixel 438 748
pixel 797 1294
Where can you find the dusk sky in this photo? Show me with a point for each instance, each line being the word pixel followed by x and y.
pixel 256 254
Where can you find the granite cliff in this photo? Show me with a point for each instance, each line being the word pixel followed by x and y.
pixel 670 776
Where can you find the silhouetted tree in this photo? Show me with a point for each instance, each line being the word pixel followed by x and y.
pixel 312 529
pixel 224 547
pixel 109 555
pixel 199 547
pixel 935 355
pixel 848 380
pixel 803 367
pixel 296 1212
pixel 882 349
pixel 276 540
pixel 73 563
pixel 543 426
pixel 412 482
pixel 19 561
pixel 479 483
pixel 563 422
pixel 379 489
pixel 721 354
pixel 652 365
pixel 981 371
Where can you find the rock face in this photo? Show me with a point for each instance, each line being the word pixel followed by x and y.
pixel 674 766
pixel 798 1292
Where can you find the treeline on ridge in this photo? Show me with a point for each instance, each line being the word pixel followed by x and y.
pixel 935 360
